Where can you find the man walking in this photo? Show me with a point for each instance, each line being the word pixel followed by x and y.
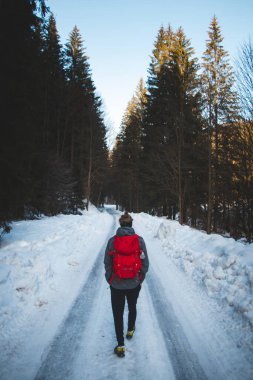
pixel 126 264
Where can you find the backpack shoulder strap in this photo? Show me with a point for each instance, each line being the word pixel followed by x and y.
pixel 112 251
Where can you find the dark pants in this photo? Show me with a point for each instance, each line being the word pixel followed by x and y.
pixel 118 297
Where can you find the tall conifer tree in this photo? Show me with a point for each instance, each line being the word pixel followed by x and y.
pixel 126 158
pixel 157 131
pixel 53 85
pixel 172 123
pixel 85 142
pixel 186 119
pixel 220 107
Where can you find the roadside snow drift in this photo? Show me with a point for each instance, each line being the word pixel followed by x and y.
pixel 43 263
pixel 223 265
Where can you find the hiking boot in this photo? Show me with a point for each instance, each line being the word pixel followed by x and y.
pixel 130 334
pixel 119 351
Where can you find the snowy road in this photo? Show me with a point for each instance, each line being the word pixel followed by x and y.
pixel 180 333
pixel 55 312
pixel 82 348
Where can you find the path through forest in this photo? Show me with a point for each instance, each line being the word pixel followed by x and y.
pixel 180 333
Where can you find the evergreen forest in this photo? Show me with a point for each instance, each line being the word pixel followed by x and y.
pixel 185 147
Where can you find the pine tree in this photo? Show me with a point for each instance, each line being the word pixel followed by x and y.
pixel 157 176
pixel 78 68
pixel 53 86
pixel 78 124
pixel 126 157
pixel 84 135
pixel 220 107
pixel 52 180
pixel 172 124
pixel 186 120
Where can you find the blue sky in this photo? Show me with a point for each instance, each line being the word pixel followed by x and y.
pixel 119 36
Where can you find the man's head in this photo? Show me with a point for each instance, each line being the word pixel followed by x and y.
pixel 126 220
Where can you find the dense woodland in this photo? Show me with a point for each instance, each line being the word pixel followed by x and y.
pixel 53 152
pixel 185 149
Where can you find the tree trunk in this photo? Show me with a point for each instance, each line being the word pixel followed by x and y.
pixel 72 149
pixel 210 184
pixel 88 190
pixel 180 178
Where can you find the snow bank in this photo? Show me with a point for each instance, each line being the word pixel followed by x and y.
pixel 43 264
pixel 223 265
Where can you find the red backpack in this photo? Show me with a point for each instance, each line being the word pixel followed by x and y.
pixel 126 257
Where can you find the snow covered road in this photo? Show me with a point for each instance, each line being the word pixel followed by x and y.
pixel 181 333
pixel 83 347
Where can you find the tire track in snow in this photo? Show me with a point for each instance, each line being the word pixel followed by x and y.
pixel 184 361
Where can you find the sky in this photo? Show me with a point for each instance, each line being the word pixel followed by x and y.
pixel 119 37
